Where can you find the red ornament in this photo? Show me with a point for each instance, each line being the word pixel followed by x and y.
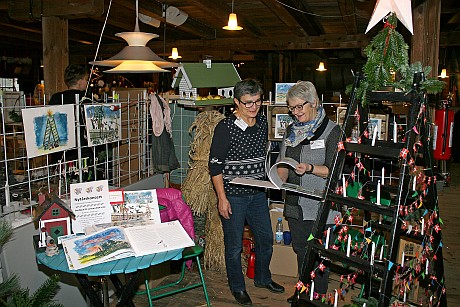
pixel 341 146
pixel 322 267
pixel 404 152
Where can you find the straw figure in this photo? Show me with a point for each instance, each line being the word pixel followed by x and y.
pixel 198 190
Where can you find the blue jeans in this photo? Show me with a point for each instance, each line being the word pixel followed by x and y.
pixel 253 209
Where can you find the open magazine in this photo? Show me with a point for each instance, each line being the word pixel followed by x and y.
pixel 120 242
pixel 276 182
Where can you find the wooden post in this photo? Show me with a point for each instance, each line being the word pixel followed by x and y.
pixel 425 41
pixel 55 53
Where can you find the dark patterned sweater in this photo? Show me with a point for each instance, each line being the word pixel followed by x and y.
pixel 238 153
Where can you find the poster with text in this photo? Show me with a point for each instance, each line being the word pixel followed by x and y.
pixel 48 129
pixel 90 203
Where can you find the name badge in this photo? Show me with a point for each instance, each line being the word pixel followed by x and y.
pixel 241 124
pixel 318 144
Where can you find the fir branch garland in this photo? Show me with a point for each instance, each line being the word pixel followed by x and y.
pixel 387 57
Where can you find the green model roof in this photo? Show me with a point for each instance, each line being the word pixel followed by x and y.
pixel 219 75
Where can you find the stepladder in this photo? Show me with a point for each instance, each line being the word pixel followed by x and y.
pixel 386 244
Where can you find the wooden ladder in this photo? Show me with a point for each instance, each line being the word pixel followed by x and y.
pixel 379 275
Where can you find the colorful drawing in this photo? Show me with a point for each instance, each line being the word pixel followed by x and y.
pixel 281 90
pixel 142 204
pixel 100 245
pixel 49 129
pixel 103 123
pixel 282 121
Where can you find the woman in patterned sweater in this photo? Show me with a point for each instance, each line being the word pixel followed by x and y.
pixel 238 149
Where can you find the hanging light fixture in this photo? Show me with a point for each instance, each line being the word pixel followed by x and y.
pixel 175 54
pixel 321 67
pixel 443 74
pixel 136 57
pixel 232 22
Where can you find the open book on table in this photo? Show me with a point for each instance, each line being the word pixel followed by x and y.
pixel 122 242
pixel 276 182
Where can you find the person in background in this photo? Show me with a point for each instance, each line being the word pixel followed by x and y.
pixel 238 149
pixel 312 141
pixel 76 78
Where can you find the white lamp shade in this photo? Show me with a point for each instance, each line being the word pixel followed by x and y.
pixel 175 54
pixel 135 53
pixel 443 73
pixel 134 66
pixel 136 38
pixel 321 67
pixel 232 23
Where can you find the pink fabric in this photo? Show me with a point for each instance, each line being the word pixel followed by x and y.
pixel 176 209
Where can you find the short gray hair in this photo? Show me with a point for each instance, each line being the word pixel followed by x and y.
pixel 304 90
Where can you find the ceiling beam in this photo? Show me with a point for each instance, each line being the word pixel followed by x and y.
pixel 448 39
pixel 329 41
pixel 220 10
pixel 281 11
pixel 347 10
pixel 308 22
pixel 33 10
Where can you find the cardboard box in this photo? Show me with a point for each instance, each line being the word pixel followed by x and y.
pixel 410 249
pixel 284 261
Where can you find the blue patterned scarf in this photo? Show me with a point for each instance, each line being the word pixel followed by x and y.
pixel 300 131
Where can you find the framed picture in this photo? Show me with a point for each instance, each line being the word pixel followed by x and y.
pixel 103 123
pixel 375 123
pixel 49 129
pixel 281 123
pixel 281 90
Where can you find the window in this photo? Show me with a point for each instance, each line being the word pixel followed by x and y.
pixel 55 212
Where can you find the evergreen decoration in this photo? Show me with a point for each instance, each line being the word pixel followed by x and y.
pixel 11 295
pixel 431 85
pixel 388 61
pixel 360 301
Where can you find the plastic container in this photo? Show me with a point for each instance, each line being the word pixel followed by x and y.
pixel 279 231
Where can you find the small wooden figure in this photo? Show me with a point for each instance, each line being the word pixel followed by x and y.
pixel 51 247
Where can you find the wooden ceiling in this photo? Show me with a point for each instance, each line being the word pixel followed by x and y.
pixel 269 25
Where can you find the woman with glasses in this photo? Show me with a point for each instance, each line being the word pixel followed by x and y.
pixel 312 141
pixel 238 149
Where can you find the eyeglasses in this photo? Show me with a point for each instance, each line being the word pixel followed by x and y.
pixel 249 104
pixel 298 107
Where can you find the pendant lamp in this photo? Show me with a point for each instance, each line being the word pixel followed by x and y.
pixel 175 54
pixel 321 67
pixel 136 57
pixel 232 22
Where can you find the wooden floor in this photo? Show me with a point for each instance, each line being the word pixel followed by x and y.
pixel 219 294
